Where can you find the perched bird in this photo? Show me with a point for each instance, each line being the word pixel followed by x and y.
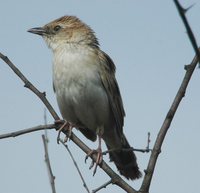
pixel 87 92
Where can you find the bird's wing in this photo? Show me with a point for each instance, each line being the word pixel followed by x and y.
pixel 109 82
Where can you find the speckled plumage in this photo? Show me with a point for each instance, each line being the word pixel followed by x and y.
pixel 86 89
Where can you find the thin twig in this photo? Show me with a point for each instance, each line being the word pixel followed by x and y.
pixel 25 131
pixel 166 124
pixel 45 122
pixel 126 149
pixel 47 159
pixel 191 36
pixel 146 150
pixel 102 186
pixel 48 164
pixel 76 165
pixel 148 141
pixel 115 177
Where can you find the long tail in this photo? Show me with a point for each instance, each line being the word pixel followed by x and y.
pixel 125 161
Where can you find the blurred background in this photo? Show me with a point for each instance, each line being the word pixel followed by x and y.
pixel 149 45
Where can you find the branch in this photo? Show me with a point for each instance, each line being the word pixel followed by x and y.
pixel 179 96
pixel 115 178
pixel 47 161
pixel 102 186
pixel 165 126
pixel 29 130
pixel 79 172
pixel 126 150
pixel 191 37
pixel 146 150
pixel 45 122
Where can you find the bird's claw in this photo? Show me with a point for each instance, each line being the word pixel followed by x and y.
pixel 98 161
pixel 64 125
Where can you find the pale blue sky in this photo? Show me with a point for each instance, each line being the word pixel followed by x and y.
pixel 148 43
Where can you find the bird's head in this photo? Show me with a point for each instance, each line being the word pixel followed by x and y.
pixel 66 30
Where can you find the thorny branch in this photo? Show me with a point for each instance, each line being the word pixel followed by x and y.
pixel 191 36
pixel 170 115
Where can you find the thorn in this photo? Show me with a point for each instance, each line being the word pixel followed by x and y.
pixel 187 9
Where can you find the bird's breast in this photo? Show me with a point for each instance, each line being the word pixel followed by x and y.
pixel 80 94
pixel 74 69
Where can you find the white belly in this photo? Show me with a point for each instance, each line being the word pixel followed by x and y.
pixel 81 97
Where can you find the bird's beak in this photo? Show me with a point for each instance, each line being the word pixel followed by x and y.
pixel 38 30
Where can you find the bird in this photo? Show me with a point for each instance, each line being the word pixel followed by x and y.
pixel 87 91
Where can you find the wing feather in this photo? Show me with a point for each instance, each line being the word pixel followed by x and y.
pixel 109 82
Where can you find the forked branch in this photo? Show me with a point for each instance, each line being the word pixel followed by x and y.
pixel 170 115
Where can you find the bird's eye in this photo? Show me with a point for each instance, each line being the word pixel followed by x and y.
pixel 57 28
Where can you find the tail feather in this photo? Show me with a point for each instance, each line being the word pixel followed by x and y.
pixel 125 161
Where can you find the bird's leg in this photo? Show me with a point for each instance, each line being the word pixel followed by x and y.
pixel 69 132
pixel 99 157
pixel 64 125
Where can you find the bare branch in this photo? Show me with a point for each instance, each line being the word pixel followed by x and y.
pixel 76 165
pixel 146 150
pixel 116 179
pixel 166 124
pixel 47 161
pixel 127 149
pixel 45 122
pixel 102 186
pixel 191 37
pixel 148 142
pixel 25 131
pixel 180 94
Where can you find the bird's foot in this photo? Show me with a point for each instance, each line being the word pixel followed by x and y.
pixel 62 124
pixel 99 158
